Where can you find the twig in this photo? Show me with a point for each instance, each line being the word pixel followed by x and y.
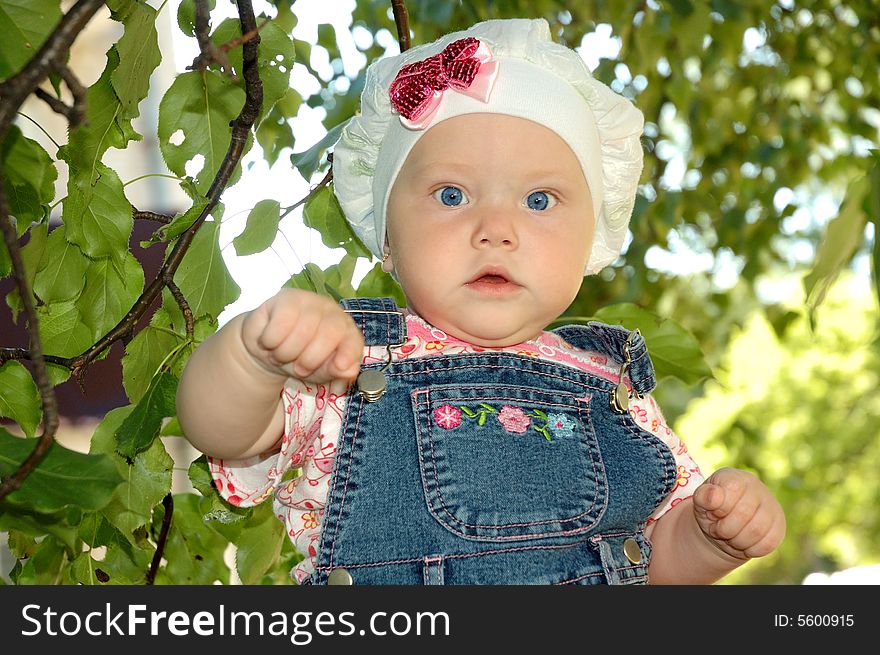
pixel 208 52
pixel 168 504
pixel 152 216
pixel 51 56
pixel 401 21
pixel 312 192
pixel 55 104
pixel 184 307
pixel 78 91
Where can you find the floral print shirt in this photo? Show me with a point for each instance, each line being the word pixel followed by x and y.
pixel 313 420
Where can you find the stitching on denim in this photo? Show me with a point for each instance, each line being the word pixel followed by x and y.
pixel 579 578
pixel 338 517
pixel 568 379
pixel 655 441
pixel 496 551
pixel 439 495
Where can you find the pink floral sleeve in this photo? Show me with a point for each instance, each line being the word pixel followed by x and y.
pixel 248 482
pixel 647 414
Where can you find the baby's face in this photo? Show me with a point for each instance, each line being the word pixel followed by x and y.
pixel 490 224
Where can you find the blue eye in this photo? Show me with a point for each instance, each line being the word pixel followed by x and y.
pixel 451 196
pixel 540 200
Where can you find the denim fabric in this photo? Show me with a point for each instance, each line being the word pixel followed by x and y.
pixel 444 480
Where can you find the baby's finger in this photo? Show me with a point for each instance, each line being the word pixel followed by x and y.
pixel 741 526
pixel 708 497
pixel 770 539
pixel 733 483
pixel 325 343
pixel 285 339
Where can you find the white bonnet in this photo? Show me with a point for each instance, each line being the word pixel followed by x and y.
pixel 535 79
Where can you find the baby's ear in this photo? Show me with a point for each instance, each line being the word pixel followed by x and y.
pixel 387 264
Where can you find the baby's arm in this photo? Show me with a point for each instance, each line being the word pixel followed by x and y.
pixel 731 518
pixel 229 397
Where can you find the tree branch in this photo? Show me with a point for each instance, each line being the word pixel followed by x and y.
pixel 401 21
pixel 13 92
pixel 41 375
pixel 241 126
pixel 151 216
pixel 51 56
pixel 168 504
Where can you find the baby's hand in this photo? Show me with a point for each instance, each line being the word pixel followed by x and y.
pixel 302 334
pixel 737 512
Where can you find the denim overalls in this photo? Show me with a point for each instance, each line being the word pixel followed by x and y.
pixel 492 468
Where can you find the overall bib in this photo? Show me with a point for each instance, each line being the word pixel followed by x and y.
pixel 492 468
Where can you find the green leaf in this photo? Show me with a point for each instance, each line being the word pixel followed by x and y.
pixel 62 330
pixel 194 550
pixel 138 430
pixel 213 506
pixel 139 55
pixel 337 278
pixel 19 397
pixel 308 161
pixel 46 565
pixel 121 562
pixel 275 58
pixel 146 352
pixel 201 105
pixel 674 350
pixel 186 15
pixel 103 128
pixel 202 275
pixel 844 234
pixel 62 270
pixel 31 254
pixel 323 213
pixel 5 261
pixel 259 545
pixel 108 296
pixel 182 222
pixel 260 230
pixel 36 524
pixel 147 477
pixel 311 278
pixel 24 24
pixel 98 216
pixel 379 284
pixel 64 477
pixel 30 178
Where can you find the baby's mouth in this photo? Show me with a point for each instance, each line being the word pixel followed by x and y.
pixel 493 282
pixel 492 279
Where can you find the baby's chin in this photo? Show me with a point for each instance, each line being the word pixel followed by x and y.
pixel 485 332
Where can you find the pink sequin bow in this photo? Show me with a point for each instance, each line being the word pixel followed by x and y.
pixel 463 66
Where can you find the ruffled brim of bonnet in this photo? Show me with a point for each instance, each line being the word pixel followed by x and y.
pixel 537 80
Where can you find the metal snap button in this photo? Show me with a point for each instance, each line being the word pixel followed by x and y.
pixel 340 577
pixel 632 551
pixel 371 385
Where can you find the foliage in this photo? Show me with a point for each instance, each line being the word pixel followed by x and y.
pixel 753 110
pixel 801 413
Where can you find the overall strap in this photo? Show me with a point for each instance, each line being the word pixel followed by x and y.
pixel 610 340
pixel 380 319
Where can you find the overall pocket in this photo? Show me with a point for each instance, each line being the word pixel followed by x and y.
pixel 503 462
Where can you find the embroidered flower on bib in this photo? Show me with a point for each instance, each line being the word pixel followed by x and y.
pixel 514 419
pixel 560 424
pixel 447 417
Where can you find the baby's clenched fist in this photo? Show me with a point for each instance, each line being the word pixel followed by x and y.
pixel 739 514
pixel 301 334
